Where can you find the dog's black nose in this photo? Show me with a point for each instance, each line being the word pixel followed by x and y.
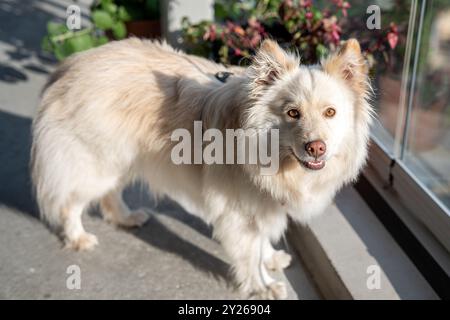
pixel 316 148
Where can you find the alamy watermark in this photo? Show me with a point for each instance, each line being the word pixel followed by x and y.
pixel 373 281
pixel 237 146
pixel 374 20
pixel 73 21
pixel 73 281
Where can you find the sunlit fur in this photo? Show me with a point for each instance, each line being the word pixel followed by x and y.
pixel 107 115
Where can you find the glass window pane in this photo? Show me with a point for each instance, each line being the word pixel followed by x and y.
pixel 388 58
pixel 427 143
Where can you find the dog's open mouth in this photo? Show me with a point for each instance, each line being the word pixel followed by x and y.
pixel 313 165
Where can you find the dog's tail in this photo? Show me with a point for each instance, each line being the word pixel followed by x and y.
pixel 45 173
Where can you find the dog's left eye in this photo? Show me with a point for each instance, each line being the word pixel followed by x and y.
pixel 329 113
pixel 294 113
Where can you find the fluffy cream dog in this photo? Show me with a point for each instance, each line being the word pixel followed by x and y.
pixel 107 116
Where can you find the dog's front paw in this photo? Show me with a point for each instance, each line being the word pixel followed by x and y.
pixel 134 219
pixel 84 242
pixel 274 291
pixel 278 261
pixel 137 218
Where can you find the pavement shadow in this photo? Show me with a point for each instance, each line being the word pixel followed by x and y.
pixel 23 24
pixel 158 235
pixel 10 74
pixel 15 182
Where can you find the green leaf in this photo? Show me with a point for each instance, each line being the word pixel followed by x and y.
pixel 235 11
pixel 223 53
pixel 79 43
pixel 317 15
pixel 60 52
pixel 123 14
pixel 46 44
pixel 104 3
pixel 185 23
pixel 219 11
pixel 321 50
pixel 102 19
pixel 101 41
pixel 152 7
pixel 111 8
pixel 119 30
pixel 290 25
pixel 297 35
pixel 55 29
pixel 134 12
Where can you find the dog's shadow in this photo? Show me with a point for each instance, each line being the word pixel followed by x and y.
pixel 158 235
pixel 16 193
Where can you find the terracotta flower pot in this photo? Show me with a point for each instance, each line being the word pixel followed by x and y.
pixel 144 28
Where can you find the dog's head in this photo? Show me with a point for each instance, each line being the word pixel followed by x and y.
pixel 314 107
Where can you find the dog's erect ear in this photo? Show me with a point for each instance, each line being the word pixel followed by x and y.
pixel 349 64
pixel 270 63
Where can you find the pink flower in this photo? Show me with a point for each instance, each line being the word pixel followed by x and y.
pixel 343 5
pixel 335 36
pixel 392 36
pixel 392 39
pixel 211 33
pixel 256 39
pixel 309 15
pixel 332 29
pixel 393 27
pixel 306 3
pixel 288 3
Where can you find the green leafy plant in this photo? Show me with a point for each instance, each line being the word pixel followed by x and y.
pixel 109 18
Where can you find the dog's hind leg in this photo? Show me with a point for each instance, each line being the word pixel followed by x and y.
pixel 115 211
pixel 75 236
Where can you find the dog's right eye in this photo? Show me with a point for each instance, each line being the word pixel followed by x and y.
pixel 294 113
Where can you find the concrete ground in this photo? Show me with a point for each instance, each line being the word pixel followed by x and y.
pixel 172 257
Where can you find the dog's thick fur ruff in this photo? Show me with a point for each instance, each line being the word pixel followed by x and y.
pixel 106 120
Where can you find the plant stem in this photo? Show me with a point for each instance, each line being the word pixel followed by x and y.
pixel 71 34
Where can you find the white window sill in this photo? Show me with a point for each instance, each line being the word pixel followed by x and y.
pixel 339 246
